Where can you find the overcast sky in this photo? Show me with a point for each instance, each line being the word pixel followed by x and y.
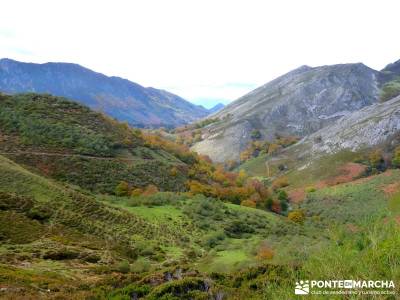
pixel 206 51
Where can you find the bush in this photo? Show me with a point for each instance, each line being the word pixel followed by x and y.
pixel 255 134
pixel 237 228
pixel 390 90
pixel 141 265
pixel 214 239
pixel 265 252
pixel 376 160
pixel 297 216
pixel 310 189
pixel 280 183
pixel 61 254
pixel 396 158
pixel 249 203
pixel 122 189
pixel 151 189
pixel 123 266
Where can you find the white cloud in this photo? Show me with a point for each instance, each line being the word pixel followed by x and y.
pixel 199 47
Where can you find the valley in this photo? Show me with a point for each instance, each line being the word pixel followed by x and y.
pixel 236 205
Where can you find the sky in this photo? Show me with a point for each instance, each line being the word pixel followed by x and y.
pixel 206 51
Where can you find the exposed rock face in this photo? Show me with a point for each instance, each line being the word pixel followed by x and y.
pixel 370 126
pixel 120 98
pixel 298 103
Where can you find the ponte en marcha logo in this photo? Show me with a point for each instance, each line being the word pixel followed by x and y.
pixel 350 287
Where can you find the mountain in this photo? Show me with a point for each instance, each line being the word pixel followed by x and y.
pixel 296 104
pixel 119 98
pixel 352 138
pixel 91 208
pixel 216 108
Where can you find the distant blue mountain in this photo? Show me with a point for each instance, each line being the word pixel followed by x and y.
pixel 216 108
pixel 117 97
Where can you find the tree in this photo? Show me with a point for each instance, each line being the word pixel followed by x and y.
pixel 268 203
pixel 276 207
pixel 282 195
pixel 122 189
pixel 284 204
pixel 376 159
pixel 242 176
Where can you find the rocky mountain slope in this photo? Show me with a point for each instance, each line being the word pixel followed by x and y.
pixel 119 98
pixel 370 126
pixel 298 103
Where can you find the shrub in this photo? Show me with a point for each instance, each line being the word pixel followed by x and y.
pixel 214 239
pixel 151 189
pixel 248 203
pixel 123 266
pixel 136 192
pixel 122 189
pixel 237 228
pixel 376 159
pixel 141 265
pixel 310 189
pixel 280 183
pixel 255 134
pixel 61 254
pixel 174 171
pixel 265 252
pixel 390 90
pixel 396 158
pixel 297 216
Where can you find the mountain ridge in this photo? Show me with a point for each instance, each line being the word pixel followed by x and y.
pixel 297 103
pixel 120 98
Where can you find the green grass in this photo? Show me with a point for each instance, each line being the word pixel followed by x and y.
pixel 352 202
pixel 157 213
